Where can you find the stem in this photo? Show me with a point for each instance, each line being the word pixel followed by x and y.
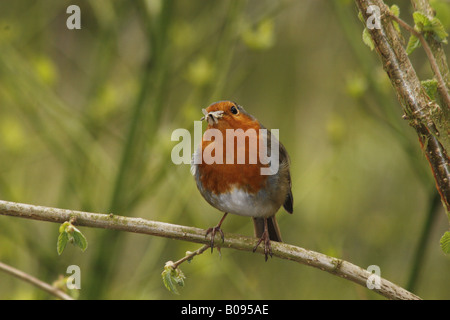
pixel 442 88
pixel 190 255
pixel 436 46
pixel 337 267
pixel 34 281
pixel 419 254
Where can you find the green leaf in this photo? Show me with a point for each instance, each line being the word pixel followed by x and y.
pixel 360 17
pixel 367 39
pixel 396 26
pixel 445 242
pixel 168 282
pixel 179 278
pixel 395 10
pixel 438 30
pixel 62 242
pixel 433 26
pixel 79 239
pixel 68 233
pixel 421 21
pixel 413 43
pixel 430 87
pixel 172 277
pixel 63 226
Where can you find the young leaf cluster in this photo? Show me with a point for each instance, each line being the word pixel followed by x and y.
pixel 173 277
pixel 429 28
pixel 69 233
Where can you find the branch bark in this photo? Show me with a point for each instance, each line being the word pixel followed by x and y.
pixel 424 114
pixel 311 258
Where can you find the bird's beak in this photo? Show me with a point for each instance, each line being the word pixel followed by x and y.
pixel 212 117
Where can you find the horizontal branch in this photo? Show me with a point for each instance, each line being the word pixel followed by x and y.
pixel 318 260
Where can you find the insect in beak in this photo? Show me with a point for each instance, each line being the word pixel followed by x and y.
pixel 212 117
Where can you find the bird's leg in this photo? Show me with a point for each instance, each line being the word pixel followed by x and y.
pixel 214 230
pixel 265 237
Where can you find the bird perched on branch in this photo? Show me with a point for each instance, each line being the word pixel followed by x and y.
pixel 235 176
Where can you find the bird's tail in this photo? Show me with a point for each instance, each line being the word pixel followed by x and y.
pixel 274 230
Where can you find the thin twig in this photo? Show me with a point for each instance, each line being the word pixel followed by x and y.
pixel 311 258
pixel 34 281
pixel 190 255
pixel 436 46
pixel 433 63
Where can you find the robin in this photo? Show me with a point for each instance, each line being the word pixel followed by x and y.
pixel 234 182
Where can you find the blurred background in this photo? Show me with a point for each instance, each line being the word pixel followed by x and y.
pixel 86 118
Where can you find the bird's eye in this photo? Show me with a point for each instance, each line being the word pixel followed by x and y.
pixel 234 110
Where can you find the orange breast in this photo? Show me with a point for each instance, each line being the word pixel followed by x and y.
pixel 222 177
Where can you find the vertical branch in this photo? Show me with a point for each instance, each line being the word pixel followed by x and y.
pixel 418 107
pixel 419 254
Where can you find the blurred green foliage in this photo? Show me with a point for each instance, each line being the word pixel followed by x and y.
pixel 86 118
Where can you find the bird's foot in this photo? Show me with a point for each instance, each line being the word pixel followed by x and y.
pixel 267 247
pixel 213 232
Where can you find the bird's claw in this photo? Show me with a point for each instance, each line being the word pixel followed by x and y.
pixel 267 247
pixel 213 232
